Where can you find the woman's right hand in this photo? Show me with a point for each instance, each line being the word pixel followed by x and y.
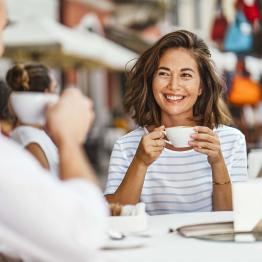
pixel 150 146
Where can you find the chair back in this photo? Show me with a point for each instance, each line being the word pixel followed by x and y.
pixel 254 162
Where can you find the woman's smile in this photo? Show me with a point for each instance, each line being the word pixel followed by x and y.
pixel 174 99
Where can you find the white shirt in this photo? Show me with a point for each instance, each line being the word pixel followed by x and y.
pixel 25 135
pixel 43 218
pixel 178 181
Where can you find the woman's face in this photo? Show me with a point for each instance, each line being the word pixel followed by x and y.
pixel 176 85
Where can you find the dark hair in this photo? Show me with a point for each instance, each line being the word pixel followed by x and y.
pixel 30 77
pixel 4 96
pixel 209 109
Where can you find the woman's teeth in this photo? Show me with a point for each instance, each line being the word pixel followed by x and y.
pixel 174 98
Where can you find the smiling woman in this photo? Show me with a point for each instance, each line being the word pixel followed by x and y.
pixel 174 83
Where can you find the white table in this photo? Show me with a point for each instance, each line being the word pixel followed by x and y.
pixel 167 247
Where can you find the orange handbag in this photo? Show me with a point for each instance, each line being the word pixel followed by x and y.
pixel 244 91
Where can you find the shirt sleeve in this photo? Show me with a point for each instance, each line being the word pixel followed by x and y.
pixel 238 167
pixel 118 166
pixel 53 220
pixel 25 135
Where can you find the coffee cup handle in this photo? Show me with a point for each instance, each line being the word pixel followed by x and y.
pixel 167 141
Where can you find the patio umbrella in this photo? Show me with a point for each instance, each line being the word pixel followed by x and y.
pixel 50 42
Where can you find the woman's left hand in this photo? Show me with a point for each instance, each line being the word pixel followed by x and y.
pixel 207 142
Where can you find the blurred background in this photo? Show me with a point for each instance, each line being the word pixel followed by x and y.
pixel 89 44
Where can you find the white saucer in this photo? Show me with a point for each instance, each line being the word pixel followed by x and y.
pixel 126 243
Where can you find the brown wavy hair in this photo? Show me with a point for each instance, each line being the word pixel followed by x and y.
pixel 209 110
pixel 32 77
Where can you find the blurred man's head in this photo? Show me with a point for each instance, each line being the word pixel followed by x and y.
pixel 2 24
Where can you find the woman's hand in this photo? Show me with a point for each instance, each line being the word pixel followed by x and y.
pixel 151 146
pixel 207 142
pixel 115 209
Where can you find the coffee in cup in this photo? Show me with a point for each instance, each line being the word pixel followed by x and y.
pixel 179 136
pixel 29 107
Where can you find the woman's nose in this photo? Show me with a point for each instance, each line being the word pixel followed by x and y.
pixel 174 83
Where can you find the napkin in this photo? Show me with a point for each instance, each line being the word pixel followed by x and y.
pixel 133 210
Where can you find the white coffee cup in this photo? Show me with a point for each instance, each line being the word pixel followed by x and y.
pixel 29 107
pixel 179 136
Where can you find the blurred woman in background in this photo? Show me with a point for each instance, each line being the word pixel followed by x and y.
pixel 34 78
pixel 6 119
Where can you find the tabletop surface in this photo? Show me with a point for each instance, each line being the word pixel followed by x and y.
pixel 164 246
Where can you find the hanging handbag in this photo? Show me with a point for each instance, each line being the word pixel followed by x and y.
pixel 251 11
pixel 244 91
pixel 219 28
pixel 238 38
pixel 219 25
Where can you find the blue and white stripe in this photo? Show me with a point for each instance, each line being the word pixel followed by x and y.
pixel 178 181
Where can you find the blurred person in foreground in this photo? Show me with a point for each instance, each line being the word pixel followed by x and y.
pixel 34 77
pixel 43 218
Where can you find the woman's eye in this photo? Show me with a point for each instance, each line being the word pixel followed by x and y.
pixel 163 74
pixel 186 75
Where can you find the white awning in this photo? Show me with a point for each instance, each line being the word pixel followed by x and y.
pixel 102 5
pixel 53 43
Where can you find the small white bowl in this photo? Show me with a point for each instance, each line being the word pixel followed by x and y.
pixel 29 107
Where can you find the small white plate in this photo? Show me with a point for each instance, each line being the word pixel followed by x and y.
pixel 126 243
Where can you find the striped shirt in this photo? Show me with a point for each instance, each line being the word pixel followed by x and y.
pixel 178 181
